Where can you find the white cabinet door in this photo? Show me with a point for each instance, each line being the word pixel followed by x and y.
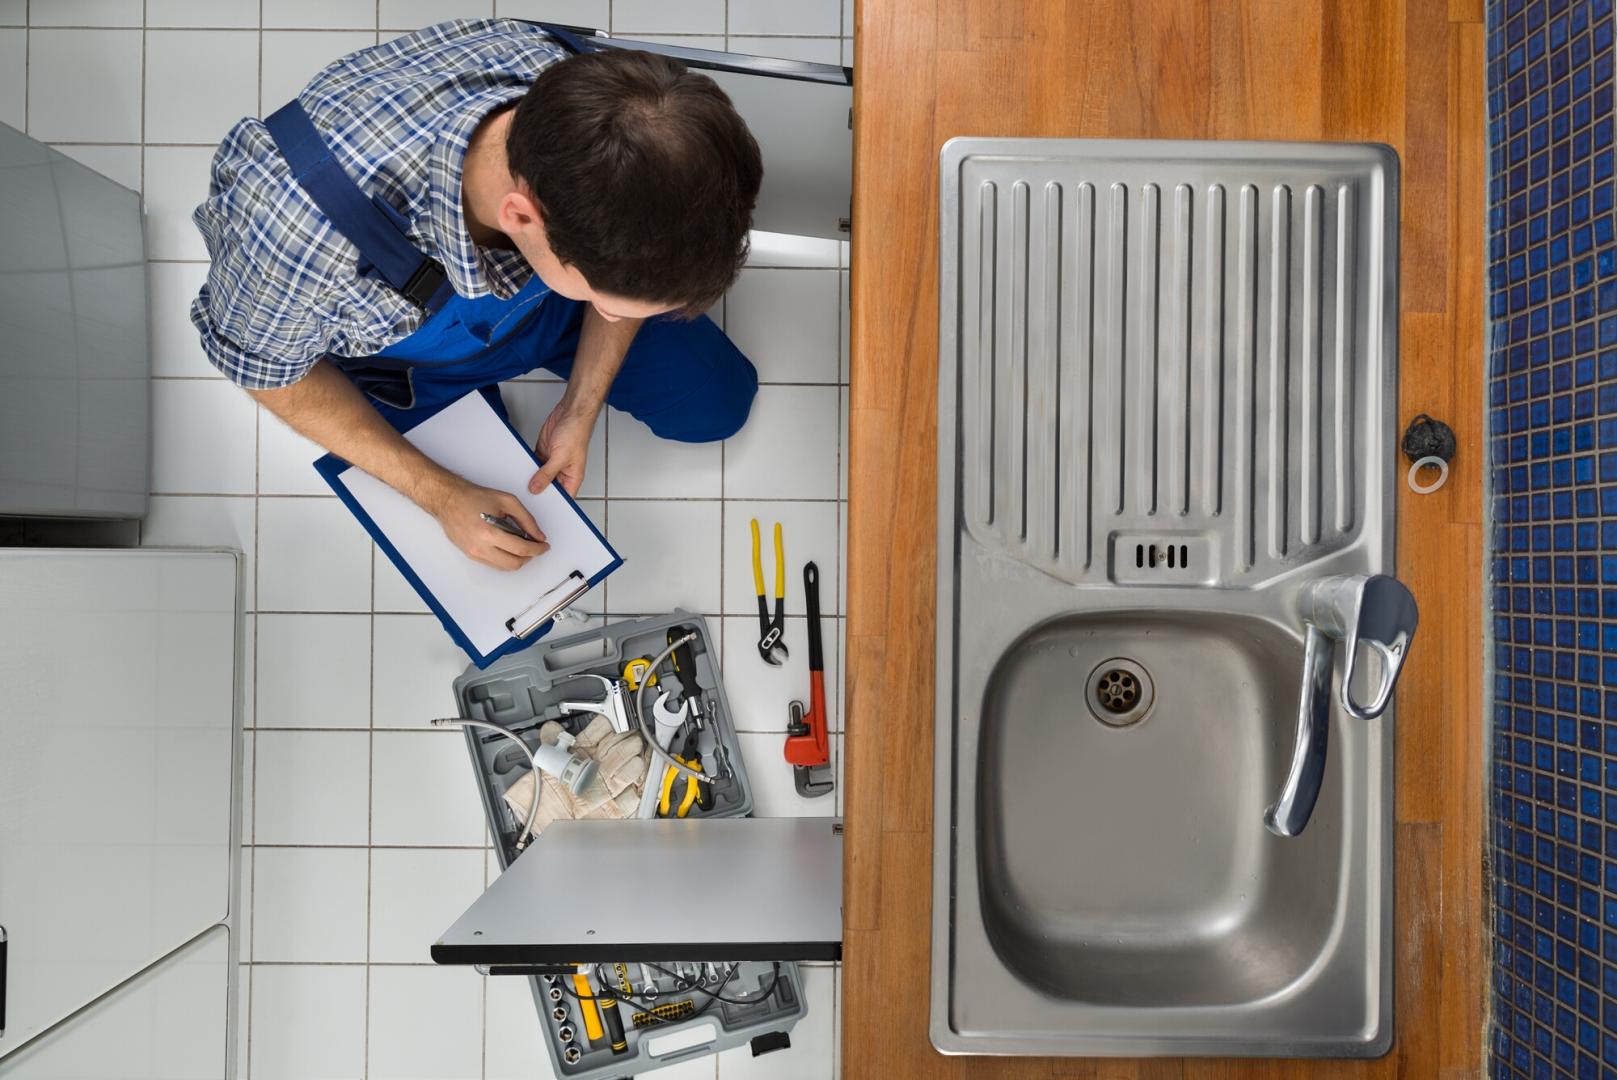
pixel 118 731
pixel 169 1023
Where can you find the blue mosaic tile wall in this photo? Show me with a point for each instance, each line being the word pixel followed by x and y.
pixel 1552 403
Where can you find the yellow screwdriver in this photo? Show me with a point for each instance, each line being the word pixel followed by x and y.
pixel 586 1005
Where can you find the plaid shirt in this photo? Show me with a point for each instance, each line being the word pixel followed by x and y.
pixel 284 289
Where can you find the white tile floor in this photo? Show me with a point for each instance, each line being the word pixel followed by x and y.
pixel 363 830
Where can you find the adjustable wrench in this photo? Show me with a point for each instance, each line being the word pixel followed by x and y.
pixel 665 722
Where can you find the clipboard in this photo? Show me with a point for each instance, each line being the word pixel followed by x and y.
pixel 487 612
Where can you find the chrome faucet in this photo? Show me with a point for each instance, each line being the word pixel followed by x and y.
pixel 1376 611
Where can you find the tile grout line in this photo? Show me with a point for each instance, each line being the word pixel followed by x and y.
pixel 296 496
pixel 370 776
pixel 204 262
pixel 724 503
pixel 257 487
pixel 844 348
pixel 27 60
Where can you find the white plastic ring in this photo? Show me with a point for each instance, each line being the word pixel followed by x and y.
pixel 1442 474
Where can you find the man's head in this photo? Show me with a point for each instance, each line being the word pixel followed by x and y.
pixel 644 176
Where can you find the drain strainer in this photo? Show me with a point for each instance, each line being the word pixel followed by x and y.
pixel 1119 692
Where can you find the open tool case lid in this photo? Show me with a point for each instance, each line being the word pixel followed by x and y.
pixel 711 890
pixel 800 113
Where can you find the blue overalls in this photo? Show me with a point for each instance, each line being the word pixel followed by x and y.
pixel 682 378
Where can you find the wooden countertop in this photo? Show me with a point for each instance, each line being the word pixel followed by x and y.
pixel 1404 72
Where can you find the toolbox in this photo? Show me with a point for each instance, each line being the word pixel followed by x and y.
pixel 680 1002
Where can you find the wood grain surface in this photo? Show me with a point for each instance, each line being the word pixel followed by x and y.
pixel 1405 72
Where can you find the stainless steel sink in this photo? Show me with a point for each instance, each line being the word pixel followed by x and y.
pixel 1167 435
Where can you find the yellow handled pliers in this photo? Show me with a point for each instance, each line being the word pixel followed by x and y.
pixel 697 792
pixel 686 750
pixel 770 630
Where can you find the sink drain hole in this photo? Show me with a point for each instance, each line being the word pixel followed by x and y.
pixel 1120 692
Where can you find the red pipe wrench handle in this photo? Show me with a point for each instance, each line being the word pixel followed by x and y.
pixel 808 740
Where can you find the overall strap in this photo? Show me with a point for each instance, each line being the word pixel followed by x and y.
pixel 567 38
pixel 375 231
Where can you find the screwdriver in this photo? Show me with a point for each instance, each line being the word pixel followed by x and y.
pixel 615 1037
pixel 586 1005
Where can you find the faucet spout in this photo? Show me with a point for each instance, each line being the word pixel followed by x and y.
pixel 1300 792
pixel 1376 611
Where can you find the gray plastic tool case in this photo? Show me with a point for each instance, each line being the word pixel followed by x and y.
pixel 515 692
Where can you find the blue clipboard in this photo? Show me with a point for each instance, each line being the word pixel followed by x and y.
pixel 331 467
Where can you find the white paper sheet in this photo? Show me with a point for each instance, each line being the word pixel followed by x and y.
pixel 470 439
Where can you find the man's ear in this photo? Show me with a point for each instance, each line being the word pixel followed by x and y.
pixel 520 214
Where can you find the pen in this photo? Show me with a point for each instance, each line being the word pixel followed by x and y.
pixel 505 524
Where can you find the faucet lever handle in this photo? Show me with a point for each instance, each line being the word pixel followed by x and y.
pixel 1378 611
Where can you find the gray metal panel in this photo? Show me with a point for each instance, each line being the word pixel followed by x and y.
pixel 605 891
pixel 801 115
pixel 807 146
pixel 1172 344
pixel 91 898
pixel 74 363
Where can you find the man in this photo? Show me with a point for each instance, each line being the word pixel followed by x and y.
pixel 584 211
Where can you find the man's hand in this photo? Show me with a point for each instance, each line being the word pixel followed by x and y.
pixel 325 407
pixel 459 507
pixel 564 445
pixel 564 441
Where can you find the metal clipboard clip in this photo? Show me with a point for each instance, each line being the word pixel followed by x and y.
pixel 543 609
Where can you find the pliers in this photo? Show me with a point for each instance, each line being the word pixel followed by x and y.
pixel 770 630
pixel 697 792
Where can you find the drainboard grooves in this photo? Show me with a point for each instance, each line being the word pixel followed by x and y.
pixel 1246 395
pixel 1176 394
pixel 987 316
pixel 1080 379
pixel 1343 373
pixel 1149 386
pixel 1167 357
pixel 1046 356
pixel 1308 504
pixel 1040 398
pixel 1117 281
pixel 1279 367
pixel 1016 418
pixel 1212 358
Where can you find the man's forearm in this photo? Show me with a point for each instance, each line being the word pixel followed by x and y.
pixel 601 348
pixel 326 407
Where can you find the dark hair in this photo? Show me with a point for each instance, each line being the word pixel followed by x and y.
pixel 645 173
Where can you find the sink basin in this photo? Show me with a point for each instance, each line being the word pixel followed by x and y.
pixel 1166 406
pixel 1201 910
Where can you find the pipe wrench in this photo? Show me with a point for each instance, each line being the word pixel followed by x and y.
pixel 808 743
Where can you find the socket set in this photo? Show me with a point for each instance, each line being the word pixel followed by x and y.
pixel 604 1021
pixel 607 1019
